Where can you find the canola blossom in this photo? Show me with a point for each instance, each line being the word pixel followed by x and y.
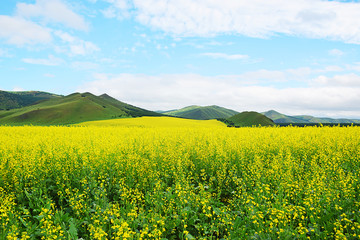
pixel 185 182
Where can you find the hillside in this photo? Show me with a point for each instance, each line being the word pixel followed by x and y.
pixel 74 108
pixel 285 119
pixel 202 113
pixel 248 119
pixel 11 100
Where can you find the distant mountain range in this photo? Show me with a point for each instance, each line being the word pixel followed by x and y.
pixel 280 118
pixel 201 113
pixel 74 108
pixel 216 112
pixel 42 108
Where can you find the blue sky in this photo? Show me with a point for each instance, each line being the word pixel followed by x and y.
pixel 297 57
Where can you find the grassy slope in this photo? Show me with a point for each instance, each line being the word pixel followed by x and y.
pixel 11 100
pixel 248 119
pixel 155 122
pixel 203 113
pixel 71 109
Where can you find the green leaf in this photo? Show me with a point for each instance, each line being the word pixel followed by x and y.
pixel 189 236
pixel 73 230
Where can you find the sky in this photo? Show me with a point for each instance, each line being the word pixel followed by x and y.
pixel 292 56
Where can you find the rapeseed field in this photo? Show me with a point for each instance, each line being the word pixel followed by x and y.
pixel 179 182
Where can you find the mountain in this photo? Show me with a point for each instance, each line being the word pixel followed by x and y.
pixel 11 100
pixel 282 118
pixel 248 119
pixel 202 113
pixel 74 108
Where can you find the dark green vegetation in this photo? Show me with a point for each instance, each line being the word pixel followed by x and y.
pixel 11 100
pixel 249 119
pixel 202 113
pixel 283 119
pixel 74 108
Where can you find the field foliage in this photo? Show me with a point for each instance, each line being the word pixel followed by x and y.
pixel 131 182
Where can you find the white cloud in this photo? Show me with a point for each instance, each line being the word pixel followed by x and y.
pixel 354 67
pixel 226 56
pixel 84 65
pixel 348 80
pixel 19 68
pixel 333 68
pixel 121 4
pixel 269 77
pixel 4 53
pixel 179 90
pixel 19 31
pixel 48 75
pixel 52 11
pixel 264 75
pixel 118 8
pixel 257 18
pixel 109 12
pixel 50 61
pixel 76 46
pixel 29 26
pixel 303 73
pixel 83 48
pixel 336 52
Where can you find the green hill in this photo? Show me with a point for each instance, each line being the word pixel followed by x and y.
pixel 202 113
pixel 11 100
pixel 304 119
pixel 74 108
pixel 248 119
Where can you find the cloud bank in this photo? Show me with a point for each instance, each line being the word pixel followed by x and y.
pixel 50 61
pixel 334 20
pixel 19 31
pixel 226 56
pixel 52 11
pixel 39 23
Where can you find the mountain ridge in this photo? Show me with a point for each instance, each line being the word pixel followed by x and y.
pixel 280 118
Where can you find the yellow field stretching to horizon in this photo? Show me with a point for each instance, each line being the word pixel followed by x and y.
pixel 155 122
pixel 186 182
